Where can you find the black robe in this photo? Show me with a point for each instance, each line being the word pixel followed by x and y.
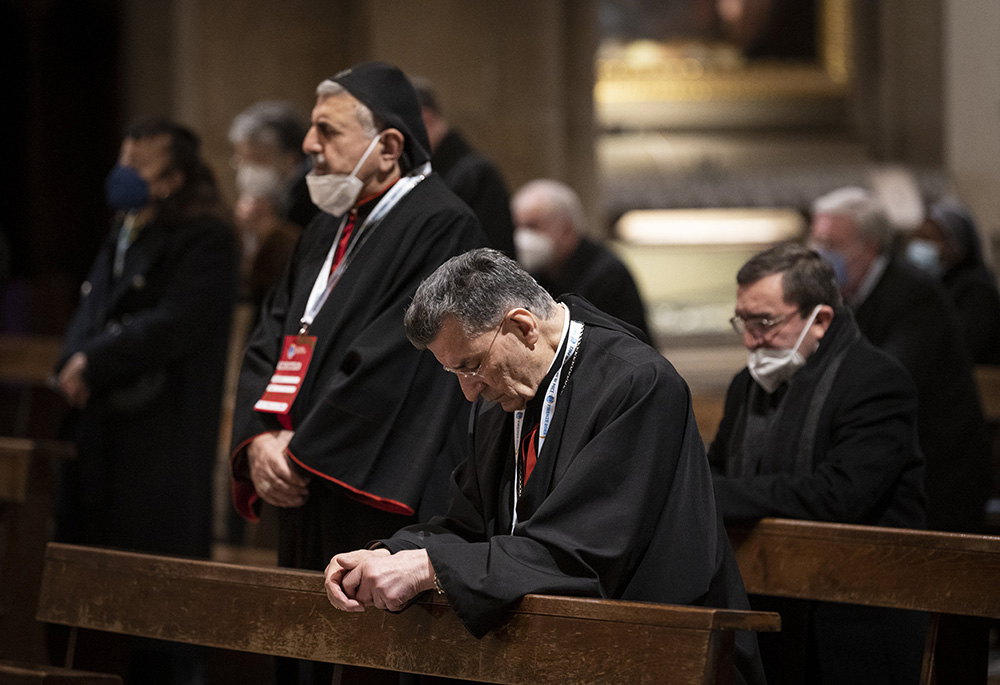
pixel 374 414
pixel 156 341
pixel 908 315
pixel 619 505
pixel 476 180
pixel 596 273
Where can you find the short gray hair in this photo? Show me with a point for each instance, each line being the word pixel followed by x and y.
pixel 270 122
pixel 863 209
pixel 477 288
pixel 370 124
pixel 557 197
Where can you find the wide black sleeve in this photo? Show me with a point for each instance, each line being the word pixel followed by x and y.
pixel 870 442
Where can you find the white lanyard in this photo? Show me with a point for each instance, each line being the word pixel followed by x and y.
pixel 548 411
pixel 325 281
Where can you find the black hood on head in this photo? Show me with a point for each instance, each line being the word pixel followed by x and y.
pixel 386 91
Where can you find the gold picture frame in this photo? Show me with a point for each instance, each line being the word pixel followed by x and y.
pixel 647 73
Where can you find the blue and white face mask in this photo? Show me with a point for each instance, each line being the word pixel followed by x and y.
pixel 837 261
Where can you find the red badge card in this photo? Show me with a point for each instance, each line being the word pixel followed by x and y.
pixel 284 386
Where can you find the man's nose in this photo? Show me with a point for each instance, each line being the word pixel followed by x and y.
pixel 471 387
pixel 310 144
pixel 752 340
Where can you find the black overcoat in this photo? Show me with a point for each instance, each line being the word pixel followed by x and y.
pixel 908 315
pixel 156 341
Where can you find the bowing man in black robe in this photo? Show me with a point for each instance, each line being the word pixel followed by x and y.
pixel 363 447
pixel 608 494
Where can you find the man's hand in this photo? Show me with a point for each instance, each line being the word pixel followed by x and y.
pixel 72 383
pixel 273 476
pixel 377 578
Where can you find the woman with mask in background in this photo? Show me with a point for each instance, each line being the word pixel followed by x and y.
pixel 143 367
pixel 947 246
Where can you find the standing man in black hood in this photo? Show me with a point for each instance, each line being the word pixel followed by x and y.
pixel 340 422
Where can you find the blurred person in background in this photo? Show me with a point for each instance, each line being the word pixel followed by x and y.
pixel 906 313
pixel 267 152
pixel 550 228
pixel 468 172
pixel 143 366
pixel 947 246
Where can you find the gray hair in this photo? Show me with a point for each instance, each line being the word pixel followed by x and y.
pixel 863 209
pixel 558 197
pixel 477 288
pixel 807 279
pixel 370 124
pixel 271 122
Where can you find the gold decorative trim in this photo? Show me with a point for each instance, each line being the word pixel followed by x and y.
pixel 651 74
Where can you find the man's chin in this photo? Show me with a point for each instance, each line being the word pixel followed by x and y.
pixel 511 403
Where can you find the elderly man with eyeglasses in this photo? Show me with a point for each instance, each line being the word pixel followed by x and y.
pixel 585 474
pixel 821 425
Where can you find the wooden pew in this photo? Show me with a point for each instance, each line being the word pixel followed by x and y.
pixel 954 577
pixel 27 490
pixel 26 361
pixel 988 384
pixel 285 612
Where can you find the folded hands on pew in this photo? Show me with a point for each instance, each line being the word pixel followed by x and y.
pixel 375 577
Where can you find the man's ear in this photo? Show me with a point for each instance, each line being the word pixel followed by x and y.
pixel 392 149
pixel 824 317
pixel 525 323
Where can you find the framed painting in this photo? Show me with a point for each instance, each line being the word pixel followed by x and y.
pixel 663 52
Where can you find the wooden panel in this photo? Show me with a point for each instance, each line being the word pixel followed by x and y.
pixel 909 569
pixel 15 460
pixel 27 488
pixel 28 359
pixel 17 673
pixel 988 382
pixel 286 612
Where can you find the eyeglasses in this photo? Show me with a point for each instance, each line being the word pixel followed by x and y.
pixel 757 325
pixel 475 372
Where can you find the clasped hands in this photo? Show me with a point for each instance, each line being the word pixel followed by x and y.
pixel 377 578
pixel 272 474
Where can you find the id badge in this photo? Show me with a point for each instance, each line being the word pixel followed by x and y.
pixel 285 383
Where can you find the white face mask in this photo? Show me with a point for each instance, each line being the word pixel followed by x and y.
pixel 770 367
pixel 534 250
pixel 257 180
pixel 337 193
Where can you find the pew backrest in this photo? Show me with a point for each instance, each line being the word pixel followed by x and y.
pixel 286 613
pixel 955 577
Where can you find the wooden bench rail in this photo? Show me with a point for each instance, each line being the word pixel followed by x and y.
pixel 16 455
pixel 952 576
pixel 28 359
pixel 947 573
pixel 285 612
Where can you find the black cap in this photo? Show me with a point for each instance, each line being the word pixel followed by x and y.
pixel 386 91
